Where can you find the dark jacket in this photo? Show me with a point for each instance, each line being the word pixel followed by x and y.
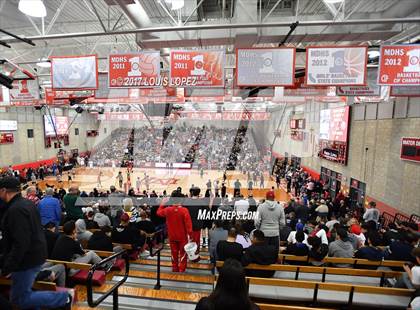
pixel 100 241
pixel 194 206
pixel 23 236
pixel 147 226
pixel 370 253
pixel 91 224
pixel 298 249
pixel 65 248
pixel 73 212
pixel 51 239
pixel 128 235
pixel 206 303
pixel 399 250
pixel 261 254
pixel 319 254
pixel 226 249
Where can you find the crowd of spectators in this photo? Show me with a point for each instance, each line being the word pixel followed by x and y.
pixel 208 147
pixel 311 224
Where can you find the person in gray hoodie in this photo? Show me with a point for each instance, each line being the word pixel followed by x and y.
pixel 270 219
pixel 81 233
pixel 341 247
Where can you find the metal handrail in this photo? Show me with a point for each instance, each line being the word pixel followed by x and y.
pixel 415 218
pixel 387 218
pixel 152 254
pixel 401 217
pixel 114 289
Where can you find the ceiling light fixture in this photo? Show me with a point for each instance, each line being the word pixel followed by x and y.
pixel 373 54
pixel 34 8
pixel 44 63
pixel 176 4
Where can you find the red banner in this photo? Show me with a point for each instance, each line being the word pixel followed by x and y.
pixel 410 149
pixel 399 65
pixel 131 116
pixel 140 69
pixel 197 68
pixel 157 95
pixel 61 97
pixel 6 138
pixel 227 116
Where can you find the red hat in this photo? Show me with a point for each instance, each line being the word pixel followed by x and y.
pixel 125 217
pixel 270 195
pixel 356 229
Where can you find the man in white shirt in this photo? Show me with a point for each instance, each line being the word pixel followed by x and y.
pixel 371 214
pixel 242 205
pixel 291 239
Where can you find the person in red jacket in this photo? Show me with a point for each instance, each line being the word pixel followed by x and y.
pixel 178 222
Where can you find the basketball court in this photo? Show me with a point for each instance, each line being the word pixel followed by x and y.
pixel 160 180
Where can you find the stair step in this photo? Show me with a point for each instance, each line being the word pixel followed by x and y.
pixel 172 276
pixel 169 264
pixel 204 253
pixel 145 298
pixel 168 268
pixel 179 286
pixel 167 258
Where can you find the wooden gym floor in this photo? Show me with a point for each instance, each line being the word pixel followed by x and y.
pixel 160 180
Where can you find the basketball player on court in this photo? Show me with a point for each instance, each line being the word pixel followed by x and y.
pixel 99 179
pixel 120 179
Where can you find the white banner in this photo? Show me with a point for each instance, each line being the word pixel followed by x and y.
pixel 55 123
pixel 265 66
pixel 371 89
pixel 8 125
pixel 74 72
pixel 345 66
pixel 24 90
pixel 4 96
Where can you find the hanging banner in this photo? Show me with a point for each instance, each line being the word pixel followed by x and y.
pixel 201 68
pixel 227 116
pixel 340 66
pixel 157 95
pixel 399 65
pixel 334 124
pixel 129 116
pixel 405 91
pixel 371 89
pixel 410 149
pixel 4 96
pixel 24 90
pixel 265 66
pixel 74 72
pixel 55 123
pixel 140 69
pixel 62 97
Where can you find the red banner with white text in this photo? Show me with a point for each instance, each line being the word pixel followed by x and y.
pixel 199 68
